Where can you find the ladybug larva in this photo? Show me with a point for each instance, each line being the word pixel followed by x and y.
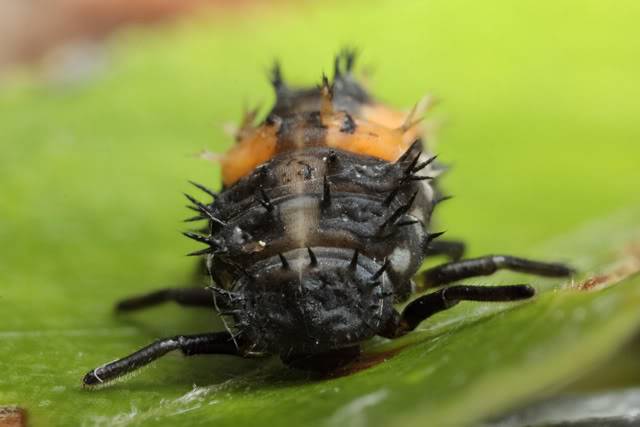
pixel 321 226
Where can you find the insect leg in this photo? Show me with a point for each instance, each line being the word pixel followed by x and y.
pixel 211 343
pixel 453 249
pixel 190 297
pixel 443 299
pixel 486 265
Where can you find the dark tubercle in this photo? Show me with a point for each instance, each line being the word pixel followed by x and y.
pixel 348 124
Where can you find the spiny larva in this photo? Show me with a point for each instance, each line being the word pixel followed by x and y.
pixel 320 227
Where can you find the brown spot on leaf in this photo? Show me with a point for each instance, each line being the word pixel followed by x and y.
pixel 592 282
pixel 628 265
pixel 12 416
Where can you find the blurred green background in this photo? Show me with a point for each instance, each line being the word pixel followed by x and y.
pixel 540 111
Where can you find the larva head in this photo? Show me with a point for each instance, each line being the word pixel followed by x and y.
pixel 313 301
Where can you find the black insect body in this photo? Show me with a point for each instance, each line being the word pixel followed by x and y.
pixel 317 234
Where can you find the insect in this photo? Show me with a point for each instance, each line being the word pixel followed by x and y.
pixel 322 223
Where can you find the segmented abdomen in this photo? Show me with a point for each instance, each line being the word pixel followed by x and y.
pixel 318 197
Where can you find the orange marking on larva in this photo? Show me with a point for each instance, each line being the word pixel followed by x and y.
pixel 369 139
pixel 390 118
pixel 378 134
pixel 255 149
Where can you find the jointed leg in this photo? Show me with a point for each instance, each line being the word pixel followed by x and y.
pixel 213 343
pixel 484 266
pixel 430 304
pixel 453 249
pixel 191 297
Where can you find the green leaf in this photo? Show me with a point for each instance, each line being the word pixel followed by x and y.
pixel 92 174
pixel 460 366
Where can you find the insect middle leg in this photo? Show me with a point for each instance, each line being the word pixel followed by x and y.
pixel 443 299
pixel 453 249
pixel 486 265
pixel 189 345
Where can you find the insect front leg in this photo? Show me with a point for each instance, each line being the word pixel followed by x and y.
pixel 189 345
pixel 443 299
pixel 209 297
pixel 190 297
pixel 486 265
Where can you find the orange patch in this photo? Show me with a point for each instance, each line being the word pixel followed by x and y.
pixel 378 134
pixel 369 139
pixel 257 148
pixel 390 118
